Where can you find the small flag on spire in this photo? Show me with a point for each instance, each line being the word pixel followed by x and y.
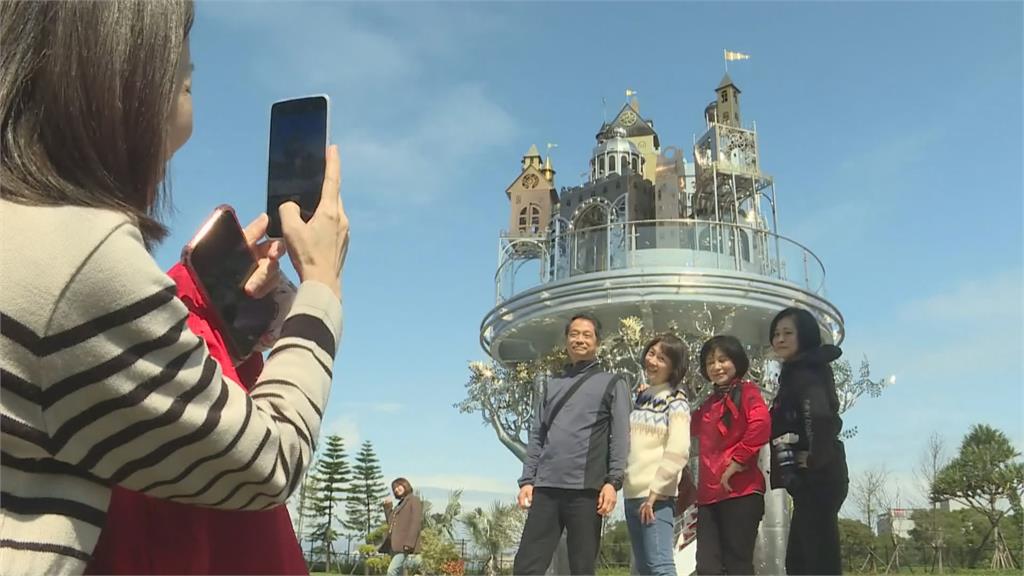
pixel 730 56
pixel 550 145
pixel 630 93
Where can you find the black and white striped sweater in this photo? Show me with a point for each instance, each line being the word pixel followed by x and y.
pixel 102 383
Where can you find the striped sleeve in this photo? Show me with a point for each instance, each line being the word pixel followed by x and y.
pixel 677 449
pixel 134 398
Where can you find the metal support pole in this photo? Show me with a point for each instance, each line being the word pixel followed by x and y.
pixel 608 239
pixel 775 222
pixel 770 550
pixel 736 223
pixel 807 280
pixel 716 242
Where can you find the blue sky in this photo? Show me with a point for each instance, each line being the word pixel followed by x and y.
pixel 894 133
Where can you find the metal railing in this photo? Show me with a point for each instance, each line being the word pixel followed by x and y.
pixel 697 244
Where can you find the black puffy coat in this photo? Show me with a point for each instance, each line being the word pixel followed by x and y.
pixel 807 405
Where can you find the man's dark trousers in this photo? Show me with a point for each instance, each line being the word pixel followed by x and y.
pixel 554 510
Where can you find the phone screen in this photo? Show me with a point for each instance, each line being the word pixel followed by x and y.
pixel 222 263
pixel 298 143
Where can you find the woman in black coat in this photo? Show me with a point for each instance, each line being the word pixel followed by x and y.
pixel 808 458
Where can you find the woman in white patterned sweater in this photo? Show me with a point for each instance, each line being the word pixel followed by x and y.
pixel 659 447
pixel 102 381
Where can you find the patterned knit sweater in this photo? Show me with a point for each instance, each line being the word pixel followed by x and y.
pixel 103 383
pixel 659 443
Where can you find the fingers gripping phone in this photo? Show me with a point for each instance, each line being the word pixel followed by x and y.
pixel 298 148
pixel 221 262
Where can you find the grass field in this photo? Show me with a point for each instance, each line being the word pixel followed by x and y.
pixel 957 572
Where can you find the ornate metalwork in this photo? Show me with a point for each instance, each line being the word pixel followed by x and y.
pixel 737 148
pixel 589 204
pixel 708 244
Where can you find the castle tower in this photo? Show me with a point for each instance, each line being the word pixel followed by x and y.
pixel 548 171
pixel 615 154
pixel 728 102
pixel 639 131
pixel 533 197
pixel 729 182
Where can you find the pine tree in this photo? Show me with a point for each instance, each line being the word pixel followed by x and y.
pixel 367 489
pixel 304 508
pixel 331 477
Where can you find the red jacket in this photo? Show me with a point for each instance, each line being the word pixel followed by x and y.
pixel 144 535
pixel 739 440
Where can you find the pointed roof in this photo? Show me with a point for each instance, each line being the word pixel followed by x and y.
pixel 532 152
pixel 640 127
pixel 542 181
pixel 727 81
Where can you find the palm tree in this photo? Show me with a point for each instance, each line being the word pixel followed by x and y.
pixel 494 531
pixel 443 522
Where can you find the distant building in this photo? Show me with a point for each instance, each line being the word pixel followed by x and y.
pixel 896 520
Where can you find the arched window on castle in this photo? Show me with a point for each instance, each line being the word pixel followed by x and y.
pixel 529 219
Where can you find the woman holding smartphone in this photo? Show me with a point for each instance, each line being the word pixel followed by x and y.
pixel 103 381
pixel 144 535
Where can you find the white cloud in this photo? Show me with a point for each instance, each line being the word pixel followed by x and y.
pixel 892 153
pixel 378 407
pixel 979 318
pixel 846 214
pixel 977 301
pixel 955 350
pixel 421 162
pixel 345 426
pixel 838 224
pixel 404 137
pixel 468 483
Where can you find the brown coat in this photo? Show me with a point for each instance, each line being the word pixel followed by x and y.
pixel 404 524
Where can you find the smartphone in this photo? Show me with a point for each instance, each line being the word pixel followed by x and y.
pixel 298 150
pixel 221 262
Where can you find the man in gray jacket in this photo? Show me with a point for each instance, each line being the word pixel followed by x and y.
pixel 576 458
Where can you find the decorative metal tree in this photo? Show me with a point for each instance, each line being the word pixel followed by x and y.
pixel 505 396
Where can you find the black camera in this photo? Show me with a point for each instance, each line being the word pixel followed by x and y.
pixel 785 456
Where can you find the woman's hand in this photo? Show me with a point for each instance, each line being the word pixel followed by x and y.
pixel 318 248
pixel 647 509
pixel 730 470
pixel 267 275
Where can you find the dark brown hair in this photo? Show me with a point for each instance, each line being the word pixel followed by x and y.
pixel 731 347
pixel 808 335
pixel 404 484
pixel 677 354
pixel 85 97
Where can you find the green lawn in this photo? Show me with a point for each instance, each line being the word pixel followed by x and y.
pixel 920 571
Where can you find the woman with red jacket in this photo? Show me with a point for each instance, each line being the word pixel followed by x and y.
pixel 145 535
pixel 731 427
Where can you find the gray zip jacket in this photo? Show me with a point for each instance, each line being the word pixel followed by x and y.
pixel 587 444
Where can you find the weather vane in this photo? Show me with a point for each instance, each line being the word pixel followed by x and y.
pixel 729 56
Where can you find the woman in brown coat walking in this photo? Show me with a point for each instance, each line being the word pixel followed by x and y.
pixel 405 519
